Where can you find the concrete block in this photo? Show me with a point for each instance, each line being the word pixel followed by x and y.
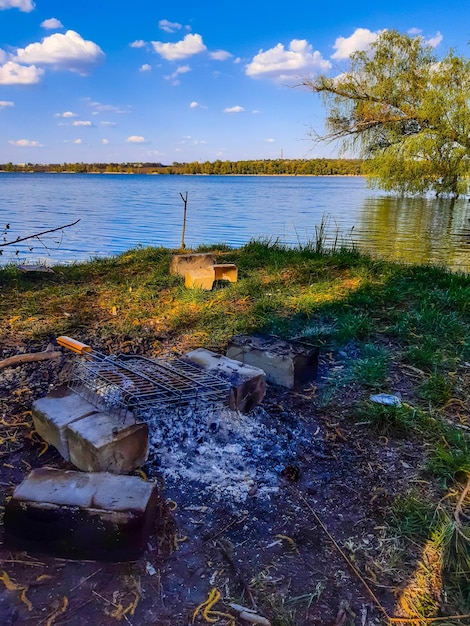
pixel 80 515
pixel 226 271
pixel 200 278
pixel 107 443
pixel 247 383
pixel 291 364
pixel 181 263
pixel 53 413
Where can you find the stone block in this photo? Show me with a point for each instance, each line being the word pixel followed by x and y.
pixel 247 383
pixel 107 443
pixel 181 263
pixel 290 364
pixel 82 515
pixel 53 413
pixel 226 271
pixel 201 278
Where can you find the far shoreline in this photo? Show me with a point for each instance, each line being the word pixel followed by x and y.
pixel 185 174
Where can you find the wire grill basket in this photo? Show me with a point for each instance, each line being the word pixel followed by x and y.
pixel 126 383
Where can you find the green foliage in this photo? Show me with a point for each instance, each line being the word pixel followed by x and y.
pixel 408 113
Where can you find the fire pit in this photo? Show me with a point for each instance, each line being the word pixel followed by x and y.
pixel 202 448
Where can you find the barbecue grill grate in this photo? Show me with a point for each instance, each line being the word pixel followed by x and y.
pixel 123 383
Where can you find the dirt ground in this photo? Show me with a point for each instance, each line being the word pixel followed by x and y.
pixel 301 557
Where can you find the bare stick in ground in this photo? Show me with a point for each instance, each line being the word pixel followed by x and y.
pixel 185 202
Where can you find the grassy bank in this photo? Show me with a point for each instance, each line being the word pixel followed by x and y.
pixel 398 330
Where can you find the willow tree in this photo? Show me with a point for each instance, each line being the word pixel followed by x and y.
pixel 406 111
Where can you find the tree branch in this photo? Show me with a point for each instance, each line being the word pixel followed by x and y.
pixel 36 235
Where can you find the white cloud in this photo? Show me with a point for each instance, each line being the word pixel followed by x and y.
pixel 359 40
pixel 281 64
pixel 82 123
pixel 25 143
pixel 63 52
pixel 270 140
pixel 362 38
pixel 169 27
pixel 15 74
pixel 434 41
pixel 66 114
pixel 105 141
pixel 235 109
pixel 6 103
pixel 135 139
pixel 220 55
pixel 23 5
pixel 145 68
pixel 108 123
pixel 78 141
pixel 190 45
pixel 139 43
pixel 183 69
pixel 100 107
pixel 52 23
pixel 194 105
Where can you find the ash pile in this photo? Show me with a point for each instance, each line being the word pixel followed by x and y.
pixel 227 454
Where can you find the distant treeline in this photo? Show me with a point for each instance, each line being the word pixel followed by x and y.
pixel 270 167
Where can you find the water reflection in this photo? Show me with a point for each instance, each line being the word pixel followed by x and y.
pixel 416 230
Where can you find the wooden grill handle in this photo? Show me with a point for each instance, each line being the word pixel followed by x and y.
pixel 73 345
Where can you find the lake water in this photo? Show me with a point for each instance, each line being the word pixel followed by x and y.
pixel 118 212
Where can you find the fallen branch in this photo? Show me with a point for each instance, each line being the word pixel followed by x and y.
pixel 19 359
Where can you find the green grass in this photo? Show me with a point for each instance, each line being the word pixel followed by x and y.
pixel 372 368
pixel 413 517
pixel 397 421
pixel 436 389
pixel 450 457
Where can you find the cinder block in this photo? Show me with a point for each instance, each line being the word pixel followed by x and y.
pixel 53 413
pixel 107 443
pixel 200 278
pixel 226 271
pixel 247 383
pixel 291 364
pixel 79 515
pixel 181 263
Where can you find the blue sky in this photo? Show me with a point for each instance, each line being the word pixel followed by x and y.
pixel 141 80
